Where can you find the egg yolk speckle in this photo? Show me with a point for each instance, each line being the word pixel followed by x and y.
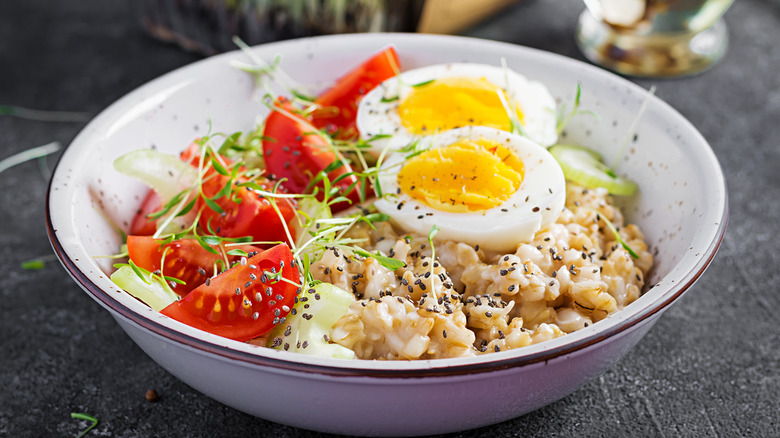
pixel 453 102
pixel 468 175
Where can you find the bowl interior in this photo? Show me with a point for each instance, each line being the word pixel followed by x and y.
pixel 681 206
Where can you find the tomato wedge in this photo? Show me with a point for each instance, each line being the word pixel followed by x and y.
pixel 246 213
pixel 185 259
pixel 142 225
pixel 245 301
pixel 293 152
pixel 339 103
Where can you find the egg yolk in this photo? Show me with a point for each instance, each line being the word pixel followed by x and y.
pixel 453 102
pixel 468 175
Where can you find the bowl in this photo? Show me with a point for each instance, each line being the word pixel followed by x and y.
pixel 682 208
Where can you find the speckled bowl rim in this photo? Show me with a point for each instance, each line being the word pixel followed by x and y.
pixel 588 337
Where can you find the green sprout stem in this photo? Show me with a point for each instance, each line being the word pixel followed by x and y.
pixel 632 129
pixel 44 116
pixel 30 154
pixel 85 417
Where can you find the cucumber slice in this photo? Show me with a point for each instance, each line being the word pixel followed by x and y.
pixel 307 325
pixel 152 291
pixel 166 174
pixel 585 167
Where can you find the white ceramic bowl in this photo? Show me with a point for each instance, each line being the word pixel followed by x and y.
pixel 682 208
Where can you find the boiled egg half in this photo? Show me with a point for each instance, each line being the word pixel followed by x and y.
pixel 429 100
pixel 478 185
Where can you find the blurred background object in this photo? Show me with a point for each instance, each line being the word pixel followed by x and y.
pixel 208 26
pixel 654 38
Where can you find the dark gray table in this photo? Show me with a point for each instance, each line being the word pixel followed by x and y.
pixel 710 367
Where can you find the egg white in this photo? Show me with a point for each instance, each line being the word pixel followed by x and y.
pixel 536 204
pixel 378 110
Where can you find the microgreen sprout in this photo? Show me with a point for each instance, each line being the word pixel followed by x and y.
pixel 615 232
pixel 388 262
pixel 423 83
pixel 632 129
pixel 148 277
pixel 508 102
pixel 563 117
pixel 29 154
pixel 85 417
pixel 262 70
pixel 431 235
pixel 44 116
pixel 139 271
pixel 33 265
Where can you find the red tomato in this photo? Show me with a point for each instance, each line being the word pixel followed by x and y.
pixel 340 103
pixel 293 152
pixel 185 259
pixel 252 215
pixel 245 301
pixel 142 225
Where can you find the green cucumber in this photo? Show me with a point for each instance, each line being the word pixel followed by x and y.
pixel 307 326
pixel 166 174
pixel 151 290
pixel 585 167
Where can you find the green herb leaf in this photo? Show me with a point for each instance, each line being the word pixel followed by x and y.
pixel 33 265
pixel 174 279
pixel 423 83
pixel 213 205
pixel 617 236
pixel 388 99
pixel 218 166
pixel 211 240
pixel 140 272
pixel 186 208
pixel 388 262
pixel 238 252
pixel 432 234
pixel 229 143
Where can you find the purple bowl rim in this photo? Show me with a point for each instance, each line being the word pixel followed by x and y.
pixel 118 309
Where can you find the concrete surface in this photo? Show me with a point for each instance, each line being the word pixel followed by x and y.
pixel 709 368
